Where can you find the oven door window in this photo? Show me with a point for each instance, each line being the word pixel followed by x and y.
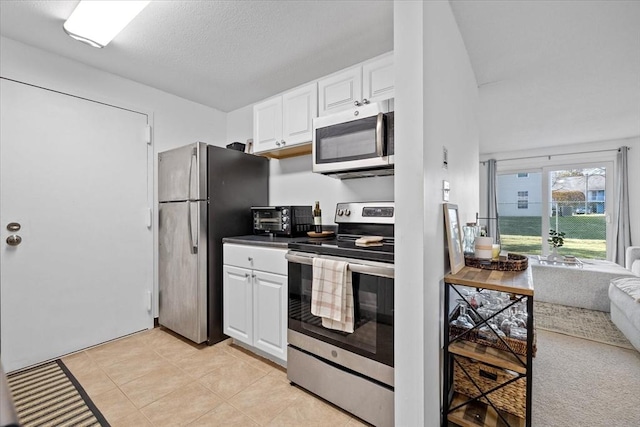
pixel 353 140
pixel 373 310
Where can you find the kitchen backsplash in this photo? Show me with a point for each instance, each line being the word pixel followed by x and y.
pixel 291 182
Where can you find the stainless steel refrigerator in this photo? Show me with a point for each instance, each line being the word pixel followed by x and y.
pixel 205 193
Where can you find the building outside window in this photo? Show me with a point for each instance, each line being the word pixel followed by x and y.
pixel 574 202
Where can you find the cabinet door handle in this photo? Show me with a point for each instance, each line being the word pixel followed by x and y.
pixel 250 259
pixel 278 143
pixel 283 142
pixel 357 103
pixel 246 275
pixel 365 101
pixel 253 275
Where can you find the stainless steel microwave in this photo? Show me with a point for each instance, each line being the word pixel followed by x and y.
pixel 354 143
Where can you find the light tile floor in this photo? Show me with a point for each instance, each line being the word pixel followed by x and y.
pixel 156 378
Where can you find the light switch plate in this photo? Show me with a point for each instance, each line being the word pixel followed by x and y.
pixel 445 190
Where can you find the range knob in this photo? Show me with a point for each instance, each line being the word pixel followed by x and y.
pixel 285 227
pixel 347 212
pixel 285 211
pixel 285 219
pixel 340 212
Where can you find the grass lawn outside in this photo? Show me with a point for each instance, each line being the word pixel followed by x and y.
pixel 585 235
pixel 581 248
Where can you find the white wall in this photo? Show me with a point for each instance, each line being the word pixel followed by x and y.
pixel 436 104
pixel 175 121
pixel 508 187
pixel 240 124
pixel 291 181
pixel 561 156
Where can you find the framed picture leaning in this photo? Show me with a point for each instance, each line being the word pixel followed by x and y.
pixel 454 237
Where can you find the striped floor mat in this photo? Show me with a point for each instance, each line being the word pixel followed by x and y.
pixel 49 395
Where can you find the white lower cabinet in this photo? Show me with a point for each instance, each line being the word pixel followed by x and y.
pixel 255 300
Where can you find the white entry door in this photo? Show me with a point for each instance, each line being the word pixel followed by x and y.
pixel 74 179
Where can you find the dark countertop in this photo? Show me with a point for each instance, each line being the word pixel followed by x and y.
pixel 264 240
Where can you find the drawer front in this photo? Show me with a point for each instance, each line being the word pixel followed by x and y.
pixel 237 255
pixel 271 260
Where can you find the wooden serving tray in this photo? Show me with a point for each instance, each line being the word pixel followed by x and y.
pixel 514 262
pixel 323 234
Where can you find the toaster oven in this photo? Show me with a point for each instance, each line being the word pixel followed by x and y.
pixel 282 220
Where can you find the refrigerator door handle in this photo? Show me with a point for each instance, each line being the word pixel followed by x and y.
pixel 194 156
pixel 193 238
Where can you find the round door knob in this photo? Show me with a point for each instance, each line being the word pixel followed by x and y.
pixel 14 240
pixel 357 103
pixel 283 142
pixel 278 143
pixel 365 101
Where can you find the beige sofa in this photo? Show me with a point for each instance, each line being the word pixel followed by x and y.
pixel 584 287
pixel 632 259
pixel 624 296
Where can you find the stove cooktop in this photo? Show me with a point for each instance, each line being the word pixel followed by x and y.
pixel 357 219
pixel 346 248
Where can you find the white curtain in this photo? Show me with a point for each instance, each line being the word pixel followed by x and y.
pixel 621 222
pixel 492 201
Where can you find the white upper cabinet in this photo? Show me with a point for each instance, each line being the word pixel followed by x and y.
pixel 267 125
pixel 370 82
pixel 340 91
pixel 299 108
pixel 285 121
pixel 378 79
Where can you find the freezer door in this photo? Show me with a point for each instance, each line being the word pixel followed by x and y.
pixel 182 260
pixel 182 173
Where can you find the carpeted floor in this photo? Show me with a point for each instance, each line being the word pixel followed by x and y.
pixel 578 382
pixel 49 395
pixel 586 373
pixel 579 322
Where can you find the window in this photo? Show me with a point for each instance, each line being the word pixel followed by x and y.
pixel 519 212
pixel 571 200
pixel 523 200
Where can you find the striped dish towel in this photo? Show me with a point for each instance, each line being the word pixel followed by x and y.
pixel 332 294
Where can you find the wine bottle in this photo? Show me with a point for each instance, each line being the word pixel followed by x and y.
pixel 317 218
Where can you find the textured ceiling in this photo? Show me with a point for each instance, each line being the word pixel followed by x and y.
pixel 224 54
pixel 549 72
pixel 553 72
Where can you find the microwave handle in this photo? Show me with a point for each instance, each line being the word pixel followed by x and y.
pixel 380 135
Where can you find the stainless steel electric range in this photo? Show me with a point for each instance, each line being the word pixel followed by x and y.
pixel 352 370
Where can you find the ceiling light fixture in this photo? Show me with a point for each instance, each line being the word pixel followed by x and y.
pixel 97 22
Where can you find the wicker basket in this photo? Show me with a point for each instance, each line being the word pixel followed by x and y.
pixel 518 346
pixel 514 262
pixel 510 398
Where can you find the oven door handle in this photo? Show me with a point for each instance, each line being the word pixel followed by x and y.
pixel 356 266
